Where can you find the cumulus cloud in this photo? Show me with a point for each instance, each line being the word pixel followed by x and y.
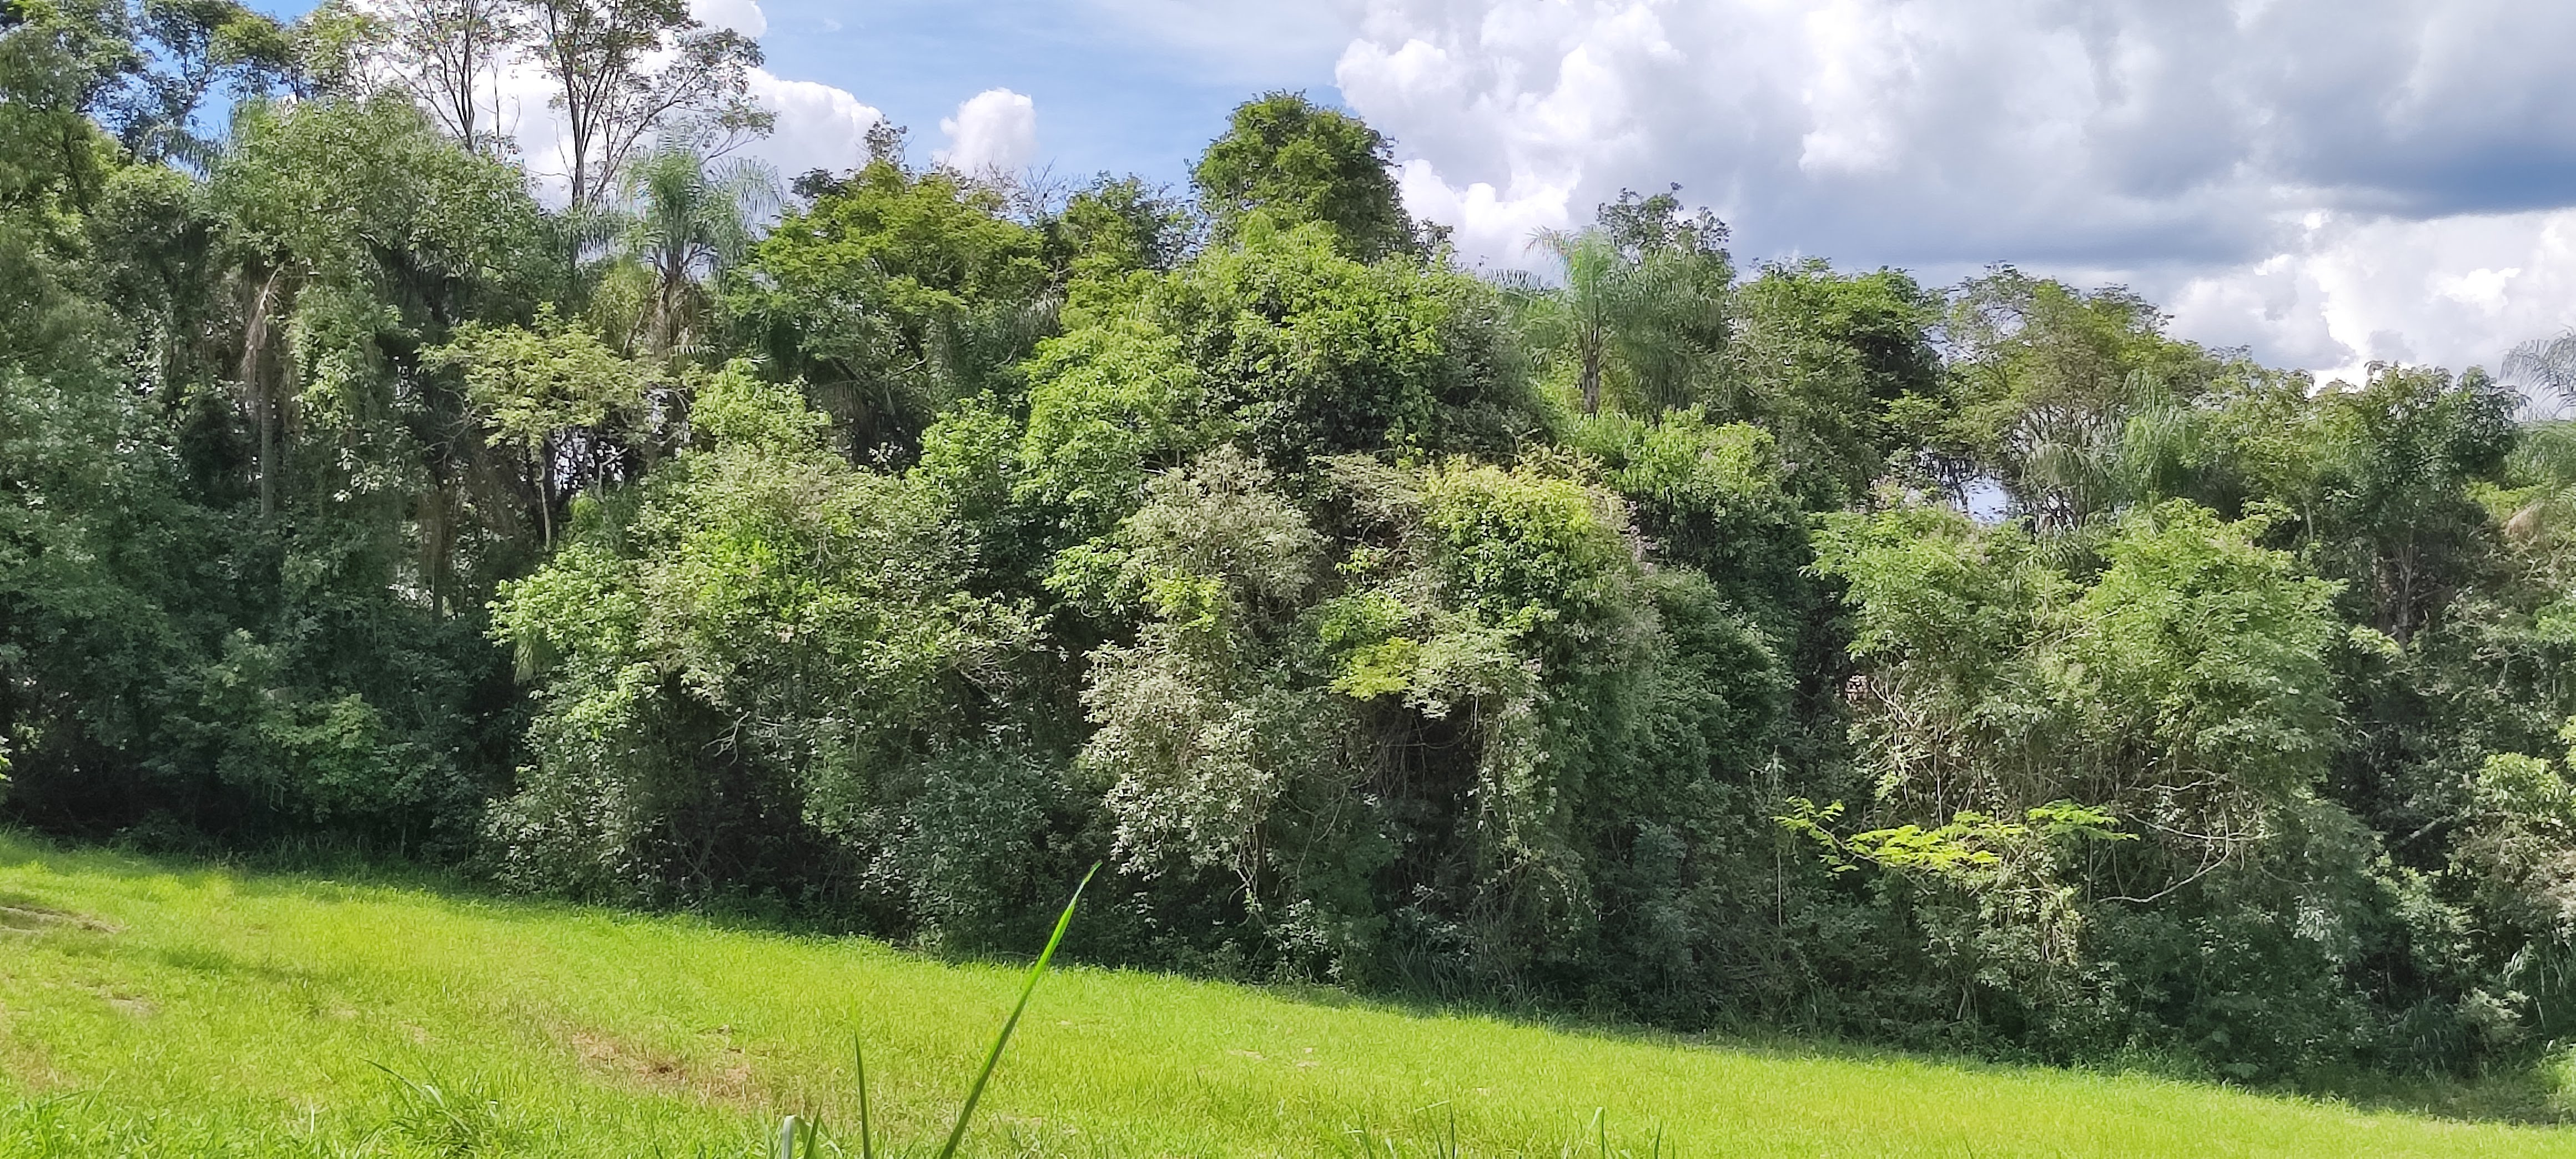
pixel 2457 290
pixel 819 126
pixel 994 131
pixel 2329 181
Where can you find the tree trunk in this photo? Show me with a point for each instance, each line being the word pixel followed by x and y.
pixel 438 543
pixel 546 492
pixel 256 390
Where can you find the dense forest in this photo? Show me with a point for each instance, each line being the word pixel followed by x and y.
pixel 1974 667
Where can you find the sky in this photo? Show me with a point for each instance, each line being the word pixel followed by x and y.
pixel 2324 182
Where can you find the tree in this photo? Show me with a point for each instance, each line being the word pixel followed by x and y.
pixel 2394 514
pixel 57 65
pixel 1588 306
pixel 1115 226
pixel 2545 369
pixel 1838 365
pixel 145 68
pixel 688 221
pixel 894 294
pixel 744 665
pixel 198 44
pixel 1644 300
pixel 367 203
pixel 556 395
pixel 1285 156
pixel 2186 684
pixel 449 55
pixel 625 70
pixel 2043 380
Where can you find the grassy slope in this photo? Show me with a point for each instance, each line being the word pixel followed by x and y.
pixel 198 1012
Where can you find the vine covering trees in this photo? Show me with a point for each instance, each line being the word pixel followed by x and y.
pixel 1978 666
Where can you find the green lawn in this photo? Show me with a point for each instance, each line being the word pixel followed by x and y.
pixel 153 1009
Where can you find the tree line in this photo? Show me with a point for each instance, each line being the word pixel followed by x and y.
pixel 1977 667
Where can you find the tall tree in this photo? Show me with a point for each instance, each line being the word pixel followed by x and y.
pixel 625 70
pixel 1587 308
pixel 689 220
pixel 2044 379
pixel 893 295
pixel 1837 365
pixel 448 54
pixel 1644 300
pixel 2544 369
pixel 145 69
pixel 556 396
pixel 1299 162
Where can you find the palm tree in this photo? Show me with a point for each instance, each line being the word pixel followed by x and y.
pixel 687 221
pixel 1590 305
pixel 2544 368
pixel 2543 524
pixel 1642 313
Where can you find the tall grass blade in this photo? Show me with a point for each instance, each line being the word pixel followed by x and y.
pixel 993 1058
pixel 867 1128
pixel 787 1138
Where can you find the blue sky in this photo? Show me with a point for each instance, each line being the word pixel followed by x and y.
pixel 1110 94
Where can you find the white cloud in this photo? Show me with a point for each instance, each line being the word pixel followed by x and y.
pixel 994 131
pixel 1490 226
pixel 743 16
pixel 819 126
pixel 2328 181
pixel 2483 288
pixel 2458 290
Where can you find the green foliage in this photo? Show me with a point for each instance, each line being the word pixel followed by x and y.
pixel 537 385
pixel 688 221
pixel 893 295
pixel 1531 555
pixel 2201 647
pixel 1311 353
pixel 1111 229
pixel 751 656
pixel 1712 497
pixel 2399 455
pixel 143 70
pixel 1642 316
pixel 2043 380
pixel 55 60
pixel 2185 689
pixel 1106 405
pixel 1199 729
pixel 570 408
pixel 1285 158
pixel 369 190
pixel 1839 366
pixel 2186 683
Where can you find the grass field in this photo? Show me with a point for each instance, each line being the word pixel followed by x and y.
pixel 149 1008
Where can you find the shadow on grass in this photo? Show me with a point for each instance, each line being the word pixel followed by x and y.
pixel 2521 1096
